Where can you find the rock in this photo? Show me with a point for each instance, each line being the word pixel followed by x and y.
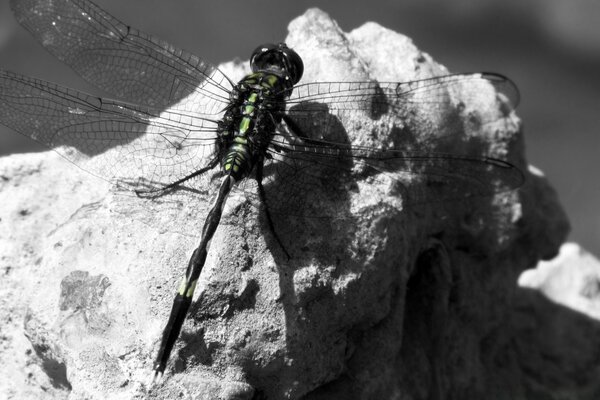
pixel 556 326
pixel 392 302
pixel 572 279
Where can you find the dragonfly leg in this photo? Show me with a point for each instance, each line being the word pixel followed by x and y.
pixel 171 186
pixel 185 292
pixel 263 199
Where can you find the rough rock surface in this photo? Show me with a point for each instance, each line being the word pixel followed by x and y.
pixel 416 303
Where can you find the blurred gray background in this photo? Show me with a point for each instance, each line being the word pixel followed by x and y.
pixel 550 48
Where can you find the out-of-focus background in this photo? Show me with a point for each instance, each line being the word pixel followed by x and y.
pixel 550 48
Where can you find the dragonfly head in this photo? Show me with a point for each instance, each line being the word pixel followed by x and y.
pixel 280 58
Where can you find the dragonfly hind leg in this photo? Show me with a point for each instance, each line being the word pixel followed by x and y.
pixel 158 190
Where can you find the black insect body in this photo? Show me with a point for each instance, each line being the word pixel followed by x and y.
pixel 153 144
pixel 244 134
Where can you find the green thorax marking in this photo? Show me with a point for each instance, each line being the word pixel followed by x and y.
pixel 262 80
pixel 258 82
pixel 247 114
pixel 238 159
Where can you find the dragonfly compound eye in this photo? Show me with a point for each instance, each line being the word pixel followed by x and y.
pixel 277 57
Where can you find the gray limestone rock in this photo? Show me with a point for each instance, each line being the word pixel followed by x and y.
pixel 396 302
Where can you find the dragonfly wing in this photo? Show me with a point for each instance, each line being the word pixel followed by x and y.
pixel 129 64
pixel 428 135
pixel 378 97
pixel 111 139
pixel 432 89
pixel 423 116
pixel 298 169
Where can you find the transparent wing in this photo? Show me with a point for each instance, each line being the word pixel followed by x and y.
pixel 380 97
pixel 430 137
pixel 114 140
pixel 129 64
pixel 315 179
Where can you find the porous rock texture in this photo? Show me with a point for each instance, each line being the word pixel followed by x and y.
pixel 408 303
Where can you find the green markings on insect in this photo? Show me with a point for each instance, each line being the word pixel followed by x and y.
pixel 238 154
pixel 190 291
pixel 249 109
pixel 269 81
pixel 245 124
pixel 248 113
pixel 240 140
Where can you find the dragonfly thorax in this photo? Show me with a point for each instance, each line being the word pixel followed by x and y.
pixel 256 107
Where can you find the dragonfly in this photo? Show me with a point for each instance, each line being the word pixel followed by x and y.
pixel 177 123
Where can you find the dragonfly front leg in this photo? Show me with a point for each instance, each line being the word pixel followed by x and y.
pixel 185 292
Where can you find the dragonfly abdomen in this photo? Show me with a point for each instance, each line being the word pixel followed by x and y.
pixel 238 160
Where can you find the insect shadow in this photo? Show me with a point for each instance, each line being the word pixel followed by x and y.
pixel 308 190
